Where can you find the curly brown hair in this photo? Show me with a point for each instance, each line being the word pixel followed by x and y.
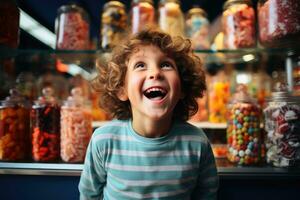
pixel 111 75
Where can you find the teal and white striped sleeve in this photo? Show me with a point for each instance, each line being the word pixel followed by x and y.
pixel 93 176
pixel 208 180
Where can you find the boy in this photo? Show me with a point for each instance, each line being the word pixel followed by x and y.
pixel 149 151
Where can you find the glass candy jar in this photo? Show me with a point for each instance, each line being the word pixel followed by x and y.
pixel 218 97
pixel 45 127
pixel 238 23
pixel 171 19
pixel 76 127
pixel 282 124
pixel 9 20
pixel 244 138
pixel 197 27
pixel 14 127
pixel 279 23
pixel 113 24
pixel 72 28
pixel 143 14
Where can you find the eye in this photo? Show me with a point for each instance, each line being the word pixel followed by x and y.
pixel 139 65
pixel 166 64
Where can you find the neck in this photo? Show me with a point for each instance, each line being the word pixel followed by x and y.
pixel 152 129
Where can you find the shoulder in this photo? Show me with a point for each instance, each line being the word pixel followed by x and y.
pixel 187 130
pixel 110 131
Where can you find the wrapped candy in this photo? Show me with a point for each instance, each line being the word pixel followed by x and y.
pixel 282 124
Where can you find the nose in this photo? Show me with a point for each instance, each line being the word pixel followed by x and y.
pixel 155 73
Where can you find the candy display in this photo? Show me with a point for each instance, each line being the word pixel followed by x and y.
pixel 76 128
pixel 243 129
pixel 296 77
pixel 14 128
pixel 238 23
pixel 143 15
pixel 9 20
pixel 45 128
pixel 279 23
pixel 72 28
pixel 113 24
pixel 171 19
pixel 282 124
pixel 197 27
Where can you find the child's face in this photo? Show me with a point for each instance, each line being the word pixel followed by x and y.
pixel 152 84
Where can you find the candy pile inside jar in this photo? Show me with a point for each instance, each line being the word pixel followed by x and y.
pixel 243 129
pixel 76 127
pixel 14 128
pixel 171 19
pixel 279 22
pixel 72 28
pixel 143 14
pixel 282 124
pixel 238 22
pixel 45 127
pixel 114 24
pixel 217 100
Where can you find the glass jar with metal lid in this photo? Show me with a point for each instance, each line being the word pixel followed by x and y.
pixel 72 28
pixel 143 14
pixel 171 19
pixel 279 23
pixel 244 138
pixel 9 20
pixel 282 124
pixel 238 24
pixel 14 127
pixel 45 127
pixel 197 27
pixel 76 127
pixel 113 24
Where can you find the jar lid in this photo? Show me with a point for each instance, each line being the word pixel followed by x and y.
pixel 281 94
pixel 70 7
pixel 14 98
pixel 231 2
pixel 113 4
pixel 47 97
pixel 242 95
pixel 76 98
pixel 169 1
pixel 144 1
pixel 197 10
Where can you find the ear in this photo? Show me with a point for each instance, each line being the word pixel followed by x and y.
pixel 122 94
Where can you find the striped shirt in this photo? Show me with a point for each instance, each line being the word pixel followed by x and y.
pixel 121 165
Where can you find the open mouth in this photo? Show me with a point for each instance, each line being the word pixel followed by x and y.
pixel 155 93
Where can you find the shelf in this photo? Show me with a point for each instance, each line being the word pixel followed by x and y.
pixel 203 125
pixel 208 55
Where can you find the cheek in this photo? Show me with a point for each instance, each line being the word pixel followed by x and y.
pixel 133 83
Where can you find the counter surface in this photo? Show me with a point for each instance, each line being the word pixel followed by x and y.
pixel 225 169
